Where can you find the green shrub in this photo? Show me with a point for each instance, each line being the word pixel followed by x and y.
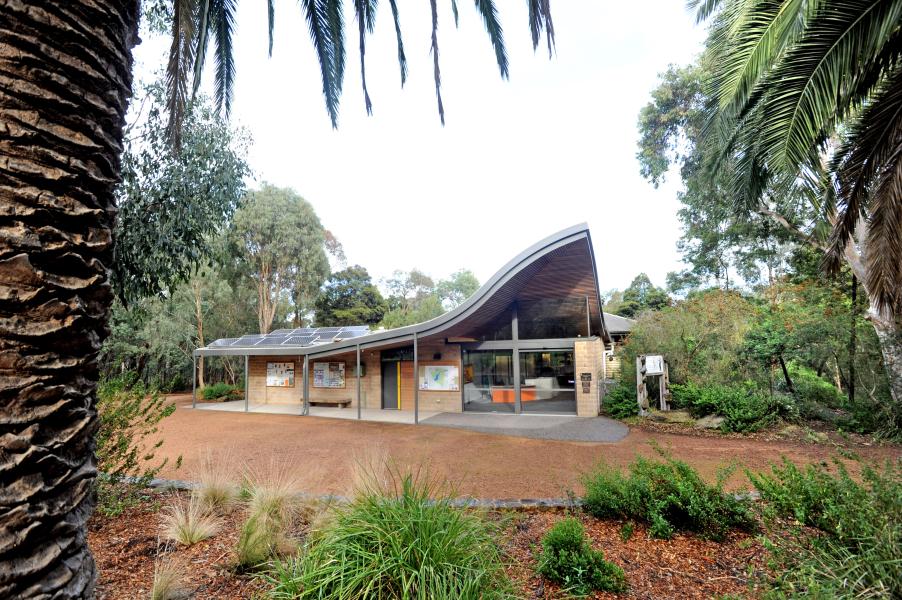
pixel 569 560
pixel 744 408
pixel 220 391
pixel 859 553
pixel 620 402
pixel 668 495
pixel 129 413
pixel 811 388
pixel 397 541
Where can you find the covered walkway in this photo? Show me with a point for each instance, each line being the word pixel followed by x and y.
pixel 328 412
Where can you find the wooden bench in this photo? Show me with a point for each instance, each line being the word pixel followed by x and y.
pixel 339 402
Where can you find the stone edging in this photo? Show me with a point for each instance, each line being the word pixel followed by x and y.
pixel 521 503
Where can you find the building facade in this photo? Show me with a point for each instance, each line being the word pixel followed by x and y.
pixel 532 340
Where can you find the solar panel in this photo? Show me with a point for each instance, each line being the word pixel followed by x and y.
pixel 223 342
pixel 282 332
pixel 298 340
pixel 272 340
pixel 299 336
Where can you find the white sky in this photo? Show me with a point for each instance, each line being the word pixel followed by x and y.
pixel 517 160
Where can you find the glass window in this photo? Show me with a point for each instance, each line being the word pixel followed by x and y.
pixel 552 319
pixel 547 382
pixel 498 328
pixel 488 381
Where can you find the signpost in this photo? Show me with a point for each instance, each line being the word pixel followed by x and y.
pixel 652 365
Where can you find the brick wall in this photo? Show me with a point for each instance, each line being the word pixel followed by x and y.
pixel 587 357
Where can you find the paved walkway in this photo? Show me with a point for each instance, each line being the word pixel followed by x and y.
pixel 328 412
pixel 539 427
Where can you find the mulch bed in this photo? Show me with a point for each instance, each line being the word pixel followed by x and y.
pixel 127 546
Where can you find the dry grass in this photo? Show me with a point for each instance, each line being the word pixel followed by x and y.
pixel 215 477
pixel 189 522
pixel 273 506
pixel 167 583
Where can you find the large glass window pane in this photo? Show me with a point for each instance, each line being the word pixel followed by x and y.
pixel 552 318
pixel 547 382
pixel 488 381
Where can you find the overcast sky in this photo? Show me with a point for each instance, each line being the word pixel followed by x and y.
pixel 516 161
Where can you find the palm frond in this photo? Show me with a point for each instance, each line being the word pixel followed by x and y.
pixel 336 28
pixel 181 59
pixel 271 21
pixel 540 19
pixel 883 248
pixel 437 74
pixel 366 21
pixel 200 51
pixel 489 13
pixel 402 58
pixel 704 8
pixel 456 13
pixel 223 23
pixel 804 87
pixel 321 33
pixel 873 141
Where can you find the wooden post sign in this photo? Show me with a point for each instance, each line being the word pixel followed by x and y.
pixel 652 365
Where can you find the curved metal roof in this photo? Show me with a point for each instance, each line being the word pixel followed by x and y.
pixel 564 260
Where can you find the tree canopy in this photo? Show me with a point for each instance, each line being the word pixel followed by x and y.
pixel 349 297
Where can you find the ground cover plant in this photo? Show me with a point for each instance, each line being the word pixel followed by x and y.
pixel 568 559
pixel 222 391
pixel 667 494
pixel 744 407
pixel 402 539
pixel 857 548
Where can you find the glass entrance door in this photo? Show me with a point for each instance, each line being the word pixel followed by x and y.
pixel 547 382
pixel 489 381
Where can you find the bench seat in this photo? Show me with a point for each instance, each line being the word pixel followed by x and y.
pixel 340 402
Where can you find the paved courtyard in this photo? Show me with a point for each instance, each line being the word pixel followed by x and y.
pixel 324 454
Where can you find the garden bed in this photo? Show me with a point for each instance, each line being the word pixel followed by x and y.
pixel 686 566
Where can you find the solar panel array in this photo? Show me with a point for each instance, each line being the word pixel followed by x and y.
pixel 298 337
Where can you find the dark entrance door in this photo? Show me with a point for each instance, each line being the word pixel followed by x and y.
pixel 390 377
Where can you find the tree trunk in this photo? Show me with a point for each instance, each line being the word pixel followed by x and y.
pixel 889 333
pixel 853 341
pixel 65 79
pixel 199 318
pixel 786 375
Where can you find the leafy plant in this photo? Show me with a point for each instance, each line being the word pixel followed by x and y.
pixel 620 402
pixel 129 413
pixel 405 539
pixel 859 553
pixel 220 390
pixel 669 495
pixel 189 522
pixel 744 408
pixel 568 559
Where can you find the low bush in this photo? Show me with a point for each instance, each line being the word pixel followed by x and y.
pixel 404 540
pixel 569 560
pixel 744 408
pixel 620 402
pixel 129 414
pixel 859 552
pixel 669 495
pixel 189 522
pixel 222 391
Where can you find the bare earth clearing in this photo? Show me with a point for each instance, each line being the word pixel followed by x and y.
pixel 324 453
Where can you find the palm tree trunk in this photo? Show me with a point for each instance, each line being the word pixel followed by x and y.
pixel 65 80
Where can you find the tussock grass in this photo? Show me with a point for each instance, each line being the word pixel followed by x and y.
pixel 402 538
pixel 189 522
pixel 167 583
pixel 216 488
pixel 272 507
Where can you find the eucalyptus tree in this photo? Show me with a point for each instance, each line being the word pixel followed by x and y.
pixel 808 100
pixel 66 69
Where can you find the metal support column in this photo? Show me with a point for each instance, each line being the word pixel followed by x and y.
pixel 306 384
pixel 247 398
pixel 359 408
pixel 515 356
pixel 416 381
pixel 588 319
pixel 194 382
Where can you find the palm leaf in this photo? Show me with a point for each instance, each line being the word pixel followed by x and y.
pixel 883 250
pixel 489 14
pixel 402 58
pixel 181 59
pixel 200 51
pixel 872 143
pixel 366 21
pixel 456 13
pixel 223 23
pixel 321 33
pixel 271 21
pixel 539 19
pixel 804 88
pixel 436 71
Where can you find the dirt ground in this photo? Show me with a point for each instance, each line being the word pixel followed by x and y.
pixel 324 454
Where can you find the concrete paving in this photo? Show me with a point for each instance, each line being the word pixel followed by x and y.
pixel 539 427
pixel 328 412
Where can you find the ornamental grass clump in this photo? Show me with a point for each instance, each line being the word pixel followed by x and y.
pixel 216 489
pixel 858 550
pixel 669 495
pixel 272 501
pixel 404 540
pixel 568 559
pixel 167 580
pixel 189 522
